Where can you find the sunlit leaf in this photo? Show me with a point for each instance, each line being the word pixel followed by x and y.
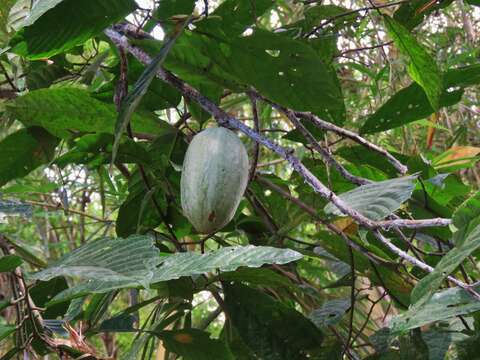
pixel 54 26
pixel 422 67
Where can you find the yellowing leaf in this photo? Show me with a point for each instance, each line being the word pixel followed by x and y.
pixel 457 155
pixel 183 338
pixel 346 225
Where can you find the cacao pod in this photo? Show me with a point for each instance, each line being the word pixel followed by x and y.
pixel 214 178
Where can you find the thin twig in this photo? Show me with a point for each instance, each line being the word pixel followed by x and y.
pixel 324 153
pixel 421 264
pixel 372 47
pixel 59 206
pixel 352 12
pixel 324 125
pixel 352 300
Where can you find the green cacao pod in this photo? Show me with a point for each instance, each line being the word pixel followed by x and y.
pixel 214 178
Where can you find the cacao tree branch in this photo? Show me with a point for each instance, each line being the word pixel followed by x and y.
pixel 224 119
pixel 324 153
pixel 421 264
pixel 228 120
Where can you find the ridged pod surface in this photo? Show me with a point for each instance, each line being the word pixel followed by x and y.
pixel 214 178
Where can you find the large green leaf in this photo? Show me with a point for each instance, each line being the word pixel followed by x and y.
pixel 377 200
pixel 411 103
pixel 193 344
pixel 422 67
pixel 407 105
pixel 469 348
pixel 188 264
pixel 449 262
pixel 224 259
pixel 68 111
pixel 129 261
pixel 54 26
pixel 289 72
pixel 441 306
pixel 271 329
pixel 24 151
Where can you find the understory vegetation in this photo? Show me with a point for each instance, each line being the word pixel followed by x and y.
pixel 357 235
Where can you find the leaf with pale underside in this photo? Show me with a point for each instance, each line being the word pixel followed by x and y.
pixel 188 264
pixel 377 200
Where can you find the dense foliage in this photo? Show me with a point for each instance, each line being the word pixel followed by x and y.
pixel 357 237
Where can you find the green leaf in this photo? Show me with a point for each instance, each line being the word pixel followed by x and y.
pixel 132 100
pixel 289 72
pixel 126 261
pixel 449 262
pixel 9 263
pixel 411 103
pixel 193 344
pixel 120 323
pixel 232 17
pixel 422 67
pixel 377 200
pixel 55 26
pixel 94 150
pixel 24 151
pixel 43 291
pixel 468 211
pixel 224 259
pixel 360 156
pixel 41 74
pixel 168 8
pixel 269 328
pixel 437 342
pixel 179 265
pixel 441 306
pixel 6 330
pixel 407 105
pixel 330 313
pixel 67 111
